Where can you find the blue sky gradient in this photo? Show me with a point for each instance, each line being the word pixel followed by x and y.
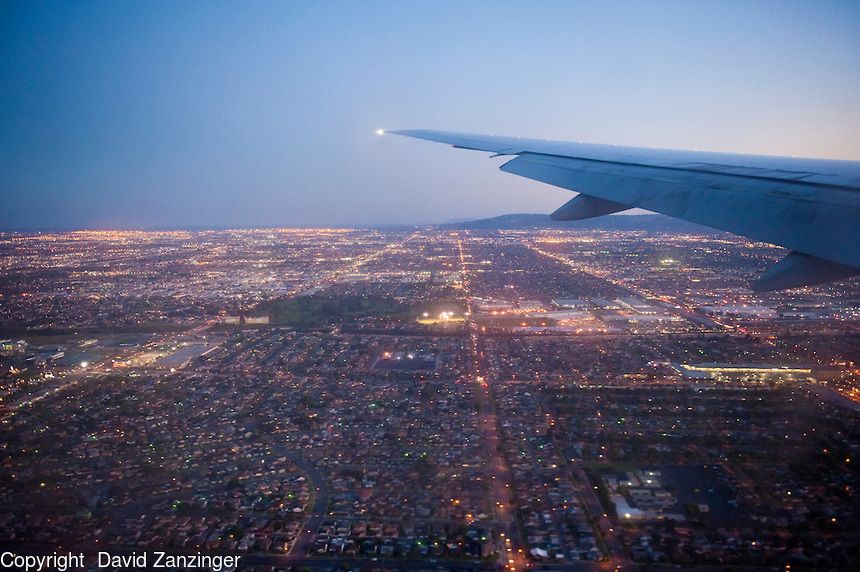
pixel 211 114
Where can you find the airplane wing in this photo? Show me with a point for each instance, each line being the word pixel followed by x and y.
pixel 810 206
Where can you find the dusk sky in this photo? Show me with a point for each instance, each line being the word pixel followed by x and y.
pixel 214 114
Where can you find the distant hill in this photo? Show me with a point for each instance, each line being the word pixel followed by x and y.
pixel 646 222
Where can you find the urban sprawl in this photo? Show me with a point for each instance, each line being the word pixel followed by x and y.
pixel 431 398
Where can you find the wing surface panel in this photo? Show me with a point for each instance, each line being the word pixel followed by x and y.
pixel 822 223
pixel 811 206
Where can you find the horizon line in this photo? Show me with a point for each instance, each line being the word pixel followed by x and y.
pixel 227 227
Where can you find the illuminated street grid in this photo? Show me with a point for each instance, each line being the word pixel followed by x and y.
pixel 426 398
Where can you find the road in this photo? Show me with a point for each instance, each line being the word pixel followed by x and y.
pixel 831 396
pixel 600 521
pixel 510 546
pixel 687 312
pixel 321 496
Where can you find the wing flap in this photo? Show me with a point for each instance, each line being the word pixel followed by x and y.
pixel 584 206
pixel 797 270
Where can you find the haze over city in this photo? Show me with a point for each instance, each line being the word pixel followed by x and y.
pixel 164 114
